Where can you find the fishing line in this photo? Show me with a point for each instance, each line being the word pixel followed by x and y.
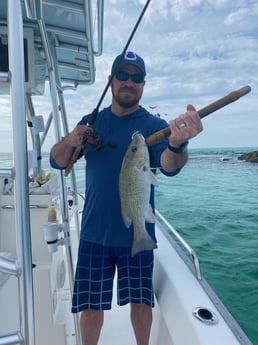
pixel 91 139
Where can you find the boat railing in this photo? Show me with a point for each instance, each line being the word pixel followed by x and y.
pixel 4 77
pixel 7 173
pixel 23 226
pixel 185 245
pixel 10 267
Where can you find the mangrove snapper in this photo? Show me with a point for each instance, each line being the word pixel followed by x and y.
pixel 134 187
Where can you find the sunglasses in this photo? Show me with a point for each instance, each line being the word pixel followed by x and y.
pixel 137 78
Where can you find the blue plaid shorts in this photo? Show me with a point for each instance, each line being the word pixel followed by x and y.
pixel 96 266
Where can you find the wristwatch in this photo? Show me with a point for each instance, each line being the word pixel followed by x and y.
pixel 182 148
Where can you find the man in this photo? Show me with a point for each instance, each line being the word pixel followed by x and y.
pixel 105 244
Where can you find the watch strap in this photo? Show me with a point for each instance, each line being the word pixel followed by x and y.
pixel 182 148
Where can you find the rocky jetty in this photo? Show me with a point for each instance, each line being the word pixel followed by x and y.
pixel 249 157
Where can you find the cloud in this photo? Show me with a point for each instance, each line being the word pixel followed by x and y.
pixel 196 51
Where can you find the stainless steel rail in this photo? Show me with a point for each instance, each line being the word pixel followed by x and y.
pixel 12 339
pixel 22 216
pixel 57 100
pixel 183 243
pixel 4 76
pixel 10 266
pixel 12 207
pixel 8 173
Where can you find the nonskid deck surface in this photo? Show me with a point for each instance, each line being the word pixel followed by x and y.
pixel 117 328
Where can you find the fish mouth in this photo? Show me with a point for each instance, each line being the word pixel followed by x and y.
pixel 135 133
pixel 138 138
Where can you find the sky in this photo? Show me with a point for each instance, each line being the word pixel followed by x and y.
pixel 195 52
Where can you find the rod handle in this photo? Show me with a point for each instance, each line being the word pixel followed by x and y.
pixel 72 160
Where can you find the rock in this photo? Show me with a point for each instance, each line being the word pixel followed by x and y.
pixel 249 157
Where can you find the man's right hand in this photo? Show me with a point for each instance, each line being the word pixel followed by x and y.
pixel 75 137
pixel 64 149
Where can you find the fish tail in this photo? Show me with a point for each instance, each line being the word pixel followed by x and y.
pixel 142 244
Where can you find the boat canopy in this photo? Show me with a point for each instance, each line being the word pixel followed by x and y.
pixel 71 31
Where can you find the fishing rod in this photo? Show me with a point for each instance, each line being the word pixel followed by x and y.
pixel 211 108
pixel 220 103
pixel 91 140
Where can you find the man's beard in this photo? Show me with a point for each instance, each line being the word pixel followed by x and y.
pixel 123 103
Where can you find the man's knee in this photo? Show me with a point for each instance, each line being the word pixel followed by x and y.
pixel 92 317
pixel 141 307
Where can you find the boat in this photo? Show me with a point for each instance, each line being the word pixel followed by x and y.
pixel 53 41
pixel 225 159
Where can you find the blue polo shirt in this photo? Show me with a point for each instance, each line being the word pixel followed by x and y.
pixel 102 221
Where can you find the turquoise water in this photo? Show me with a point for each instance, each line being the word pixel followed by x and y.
pixel 213 203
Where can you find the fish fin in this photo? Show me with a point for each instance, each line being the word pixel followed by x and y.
pixel 150 216
pixel 153 179
pixel 143 243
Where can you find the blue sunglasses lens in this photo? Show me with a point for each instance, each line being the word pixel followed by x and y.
pixel 136 77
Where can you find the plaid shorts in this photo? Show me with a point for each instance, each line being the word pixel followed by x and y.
pixel 96 266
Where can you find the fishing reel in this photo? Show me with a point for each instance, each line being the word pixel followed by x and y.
pixel 91 141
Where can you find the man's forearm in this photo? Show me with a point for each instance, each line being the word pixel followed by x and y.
pixel 171 161
pixel 62 152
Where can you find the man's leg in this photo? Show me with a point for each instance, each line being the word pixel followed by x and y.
pixel 135 287
pixel 93 289
pixel 141 316
pixel 91 323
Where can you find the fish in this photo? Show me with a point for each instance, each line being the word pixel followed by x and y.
pixel 135 181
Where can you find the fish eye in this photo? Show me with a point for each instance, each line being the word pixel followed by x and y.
pixel 134 149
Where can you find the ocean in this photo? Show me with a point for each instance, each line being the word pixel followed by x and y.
pixel 213 204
